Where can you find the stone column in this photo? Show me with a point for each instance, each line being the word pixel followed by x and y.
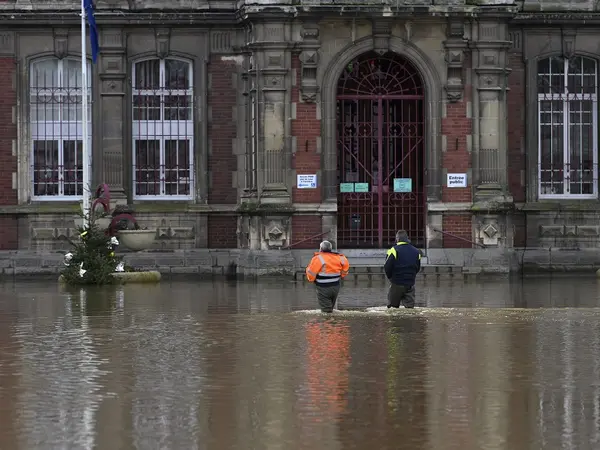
pixel 110 162
pixel 455 46
pixel 490 59
pixel 271 61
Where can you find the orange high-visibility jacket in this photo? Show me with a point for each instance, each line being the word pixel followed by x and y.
pixel 327 268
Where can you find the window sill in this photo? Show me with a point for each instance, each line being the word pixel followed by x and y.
pixel 561 205
pixel 43 207
pixel 162 205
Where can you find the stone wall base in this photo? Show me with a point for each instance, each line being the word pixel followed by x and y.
pixel 441 263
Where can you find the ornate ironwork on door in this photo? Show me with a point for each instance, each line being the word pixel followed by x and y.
pixel 380 140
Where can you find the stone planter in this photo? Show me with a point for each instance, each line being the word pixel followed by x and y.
pixel 137 240
pixel 137 277
pixel 147 277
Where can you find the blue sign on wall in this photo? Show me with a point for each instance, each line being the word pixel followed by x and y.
pixel 346 187
pixel 361 187
pixel 402 184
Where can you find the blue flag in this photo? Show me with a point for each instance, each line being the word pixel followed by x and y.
pixel 89 10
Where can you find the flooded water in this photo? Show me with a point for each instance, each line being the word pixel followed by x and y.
pixel 494 365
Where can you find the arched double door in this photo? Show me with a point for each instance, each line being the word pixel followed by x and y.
pixel 380 147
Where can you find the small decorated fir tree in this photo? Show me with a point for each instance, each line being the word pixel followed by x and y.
pixel 93 259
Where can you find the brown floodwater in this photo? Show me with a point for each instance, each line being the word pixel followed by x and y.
pixel 511 365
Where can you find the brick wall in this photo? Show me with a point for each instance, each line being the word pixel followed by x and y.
pixel 459 225
pixel 306 129
pixel 8 162
pixel 8 131
pixel 222 232
pixel 456 127
pixel 222 129
pixel 516 125
pixel 8 233
pixel 305 227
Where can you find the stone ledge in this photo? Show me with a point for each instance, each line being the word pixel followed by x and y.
pixel 442 263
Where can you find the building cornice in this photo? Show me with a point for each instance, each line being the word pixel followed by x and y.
pixel 145 18
pixel 557 18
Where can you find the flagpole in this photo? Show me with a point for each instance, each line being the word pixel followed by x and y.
pixel 85 151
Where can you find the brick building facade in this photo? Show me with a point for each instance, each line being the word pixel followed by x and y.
pixel 204 115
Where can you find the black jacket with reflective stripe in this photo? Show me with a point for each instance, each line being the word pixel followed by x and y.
pixel 402 264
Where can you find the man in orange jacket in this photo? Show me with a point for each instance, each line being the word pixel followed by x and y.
pixel 326 269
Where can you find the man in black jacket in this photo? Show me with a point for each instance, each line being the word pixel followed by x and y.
pixel 402 263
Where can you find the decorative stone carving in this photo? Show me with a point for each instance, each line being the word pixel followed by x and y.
pixel 588 230
pixel 43 233
pixel 112 38
pixel 490 232
pixel 182 232
pixel 455 46
pixel 552 230
pixel 568 42
pixel 581 231
pixel 516 39
pixel 163 41
pixel 7 43
pixel 309 57
pixel 382 31
pixel 274 81
pixel 61 46
pixel 175 232
pixel 221 41
pixel 276 233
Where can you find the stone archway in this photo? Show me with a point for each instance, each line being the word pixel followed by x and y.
pixel 431 108
pixel 380 151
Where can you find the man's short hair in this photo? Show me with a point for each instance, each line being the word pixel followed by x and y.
pixel 401 236
pixel 325 246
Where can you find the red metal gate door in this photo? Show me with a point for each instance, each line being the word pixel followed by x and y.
pixel 358 162
pixel 380 152
pixel 403 143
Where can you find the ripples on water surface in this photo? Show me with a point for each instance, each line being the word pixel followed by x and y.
pixel 250 366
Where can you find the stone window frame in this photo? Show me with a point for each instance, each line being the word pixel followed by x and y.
pixel 565 98
pixel 540 42
pixel 432 101
pixel 189 133
pixel 26 185
pixel 191 44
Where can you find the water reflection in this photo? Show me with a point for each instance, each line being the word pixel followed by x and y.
pixel 62 364
pixel 323 397
pixel 228 366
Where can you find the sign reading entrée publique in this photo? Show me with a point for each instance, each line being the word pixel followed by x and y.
pixel 457 180
pixel 306 182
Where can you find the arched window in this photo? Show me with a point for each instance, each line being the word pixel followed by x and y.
pixel 163 129
pixel 56 128
pixel 568 127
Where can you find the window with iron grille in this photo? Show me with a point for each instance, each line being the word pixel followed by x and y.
pixel 163 133
pixel 568 127
pixel 55 101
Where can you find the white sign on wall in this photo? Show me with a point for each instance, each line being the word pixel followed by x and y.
pixel 457 180
pixel 306 182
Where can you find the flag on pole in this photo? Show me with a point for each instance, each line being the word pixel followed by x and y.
pixel 89 9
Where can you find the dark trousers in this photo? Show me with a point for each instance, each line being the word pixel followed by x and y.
pixel 399 294
pixel 327 296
